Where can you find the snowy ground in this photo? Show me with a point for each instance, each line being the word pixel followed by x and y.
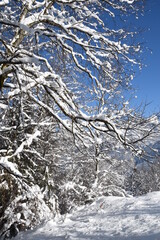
pixel 109 218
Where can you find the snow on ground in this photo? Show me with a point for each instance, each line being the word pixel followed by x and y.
pixel 108 218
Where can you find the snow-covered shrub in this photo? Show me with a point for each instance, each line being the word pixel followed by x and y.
pixel 144 179
pixel 145 174
pixel 22 205
pixel 110 184
pixel 71 195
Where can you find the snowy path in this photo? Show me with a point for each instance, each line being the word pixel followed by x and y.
pixel 109 218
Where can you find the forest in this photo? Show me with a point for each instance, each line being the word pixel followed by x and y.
pixel 68 132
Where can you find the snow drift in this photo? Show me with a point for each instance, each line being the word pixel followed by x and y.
pixel 131 218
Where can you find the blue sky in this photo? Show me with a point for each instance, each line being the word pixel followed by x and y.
pixel 147 82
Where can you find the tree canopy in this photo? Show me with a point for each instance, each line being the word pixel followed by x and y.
pixel 63 57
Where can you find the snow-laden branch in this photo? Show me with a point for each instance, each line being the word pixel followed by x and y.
pixel 5 162
pixel 50 49
pixel 9 167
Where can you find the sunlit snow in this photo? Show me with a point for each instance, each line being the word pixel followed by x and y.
pixel 130 218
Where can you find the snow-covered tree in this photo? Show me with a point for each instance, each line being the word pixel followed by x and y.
pixel 64 64
pixel 26 196
pixel 42 41
pixel 144 177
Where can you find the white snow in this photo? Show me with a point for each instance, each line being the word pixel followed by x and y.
pixel 4 2
pixel 127 1
pixel 114 218
pixel 3 106
pixel 11 167
pixel 27 142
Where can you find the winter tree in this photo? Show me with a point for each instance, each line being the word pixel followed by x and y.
pixel 64 66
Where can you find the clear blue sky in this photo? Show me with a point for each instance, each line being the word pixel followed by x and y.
pixel 147 82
